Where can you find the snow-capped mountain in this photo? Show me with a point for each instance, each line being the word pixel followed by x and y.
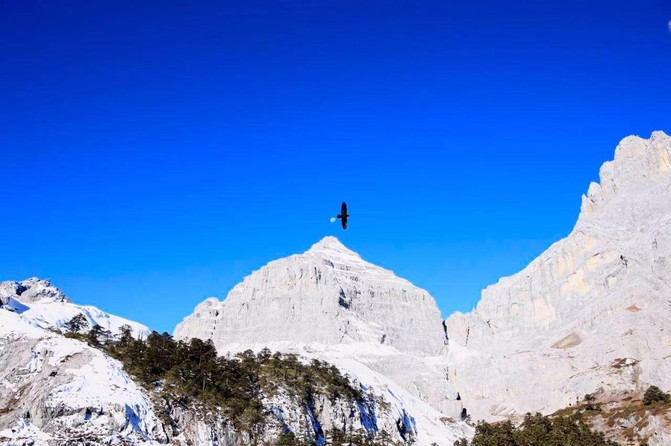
pixel 54 390
pixel 328 303
pixel 43 305
pixel 592 314
pixel 330 287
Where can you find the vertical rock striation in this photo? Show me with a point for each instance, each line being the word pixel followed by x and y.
pixel 590 314
pixel 328 303
pixel 328 295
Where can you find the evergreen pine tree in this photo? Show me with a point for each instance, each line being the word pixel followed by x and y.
pixel 76 324
pixel 654 394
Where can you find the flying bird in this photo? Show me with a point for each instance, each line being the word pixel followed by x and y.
pixel 343 215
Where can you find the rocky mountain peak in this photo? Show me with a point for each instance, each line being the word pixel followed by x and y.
pixel 330 287
pixel 329 243
pixel 593 300
pixel 330 246
pixel 30 290
pixel 638 163
pixel 330 300
pixel 39 303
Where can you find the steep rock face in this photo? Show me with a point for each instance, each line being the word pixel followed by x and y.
pixel 592 313
pixel 389 412
pixel 329 287
pixel 330 304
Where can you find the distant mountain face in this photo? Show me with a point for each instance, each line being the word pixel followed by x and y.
pixel 592 314
pixel 29 291
pixel 328 296
pixel 330 304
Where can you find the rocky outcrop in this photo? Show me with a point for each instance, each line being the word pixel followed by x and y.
pixel 42 305
pixel 29 291
pixel 592 314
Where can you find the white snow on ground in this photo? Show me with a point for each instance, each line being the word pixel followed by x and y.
pixel 47 315
pixel 43 305
pixel 92 391
pixel 23 432
pixel 429 425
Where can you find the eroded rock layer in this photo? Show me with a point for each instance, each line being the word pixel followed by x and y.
pixel 330 303
pixel 592 314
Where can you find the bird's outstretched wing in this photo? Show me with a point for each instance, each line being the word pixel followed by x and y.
pixel 343 215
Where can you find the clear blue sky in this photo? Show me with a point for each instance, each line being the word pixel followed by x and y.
pixel 155 153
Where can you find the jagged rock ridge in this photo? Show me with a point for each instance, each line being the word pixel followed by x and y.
pixel 40 303
pixel 592 314
pixel 29 291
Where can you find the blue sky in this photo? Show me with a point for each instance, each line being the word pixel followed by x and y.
pixel 155 153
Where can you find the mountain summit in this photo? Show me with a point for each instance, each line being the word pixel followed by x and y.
pixel 329 304
pixel 328 295
pixel 331 243
pixel 29 291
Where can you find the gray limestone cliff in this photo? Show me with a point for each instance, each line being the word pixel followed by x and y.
pixel 330 303
pixel 592 314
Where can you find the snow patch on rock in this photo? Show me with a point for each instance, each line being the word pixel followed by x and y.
pixel 43 305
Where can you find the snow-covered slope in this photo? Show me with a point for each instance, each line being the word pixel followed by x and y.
pixel 43 305
pixel 54 389
pixel 58 390
pixel 330 304
pixel 592 314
